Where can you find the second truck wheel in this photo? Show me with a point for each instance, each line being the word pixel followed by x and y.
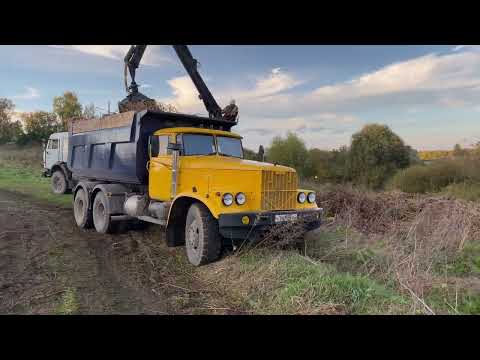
pixel 83 216
pixel 101 214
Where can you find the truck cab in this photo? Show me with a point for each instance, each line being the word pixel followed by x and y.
pixel 55 154
pixel 206 167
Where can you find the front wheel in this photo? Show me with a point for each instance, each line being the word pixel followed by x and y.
pixel 202 238
pixel 59 182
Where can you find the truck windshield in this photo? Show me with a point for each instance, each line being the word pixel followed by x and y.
pixel 228 146
pixel 194 144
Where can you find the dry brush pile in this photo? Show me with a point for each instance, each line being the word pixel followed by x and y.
pixel 416 236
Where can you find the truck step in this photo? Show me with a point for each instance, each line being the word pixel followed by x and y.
pixel 153 220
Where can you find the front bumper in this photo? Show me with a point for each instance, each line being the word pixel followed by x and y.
pixel 232 227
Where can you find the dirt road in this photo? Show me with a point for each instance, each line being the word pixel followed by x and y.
pixel 49 266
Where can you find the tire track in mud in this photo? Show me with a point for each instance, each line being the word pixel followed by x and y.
pixel 48 266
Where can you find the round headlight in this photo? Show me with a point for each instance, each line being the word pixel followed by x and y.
pixel 301 197
pixel 311 197
pixel 240 198
pixel 227 199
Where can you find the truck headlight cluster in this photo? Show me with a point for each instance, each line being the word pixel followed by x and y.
pixel 240 198
pixel 227 199
pixel 301 197
pixel 311 197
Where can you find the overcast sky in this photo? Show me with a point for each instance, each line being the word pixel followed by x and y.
pixel 429 95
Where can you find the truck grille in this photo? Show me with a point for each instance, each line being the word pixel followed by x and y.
pixel 279 190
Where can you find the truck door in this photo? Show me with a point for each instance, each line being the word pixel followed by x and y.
pixel 51 153
pixel 160 168
pixel 64 145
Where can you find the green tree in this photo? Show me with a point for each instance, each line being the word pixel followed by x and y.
pixel 39 125
pixel 321 162
pixel 375 154
pixel 291 151
pixel 249 154
pixel 9 130
pixel 6 109
pixel 331 166
pixel 89 111
pixel 414 158
pixel 66 107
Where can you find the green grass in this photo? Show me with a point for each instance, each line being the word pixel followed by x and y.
pixel 298 285
pixel 465 190
pixel 29 181
pixel 467 263
pixel 68 304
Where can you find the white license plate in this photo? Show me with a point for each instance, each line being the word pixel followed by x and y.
pixel 285 218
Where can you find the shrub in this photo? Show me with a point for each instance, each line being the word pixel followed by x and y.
pixel 466 190
pixel 428 178
pixel 375 154
pixel 291 151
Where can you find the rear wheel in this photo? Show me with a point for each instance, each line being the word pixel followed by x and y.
pixel 83 216
pixel 202 240
pixel 59 182
pixel 101 214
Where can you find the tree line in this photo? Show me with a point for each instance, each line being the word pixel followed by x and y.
pixel 38 125
pixel 374 155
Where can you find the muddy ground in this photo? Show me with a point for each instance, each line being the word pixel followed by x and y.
pixel 49 266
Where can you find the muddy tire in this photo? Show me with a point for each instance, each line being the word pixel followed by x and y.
pixel 203 242
pixel 101 214
pixel 83 216
pixel 59 182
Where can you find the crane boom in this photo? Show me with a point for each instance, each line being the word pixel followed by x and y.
pixel 132 61
pixel 191 66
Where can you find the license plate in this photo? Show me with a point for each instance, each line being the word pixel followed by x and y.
pixel 285 218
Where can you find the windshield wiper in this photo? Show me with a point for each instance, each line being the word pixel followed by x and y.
pixel 228 155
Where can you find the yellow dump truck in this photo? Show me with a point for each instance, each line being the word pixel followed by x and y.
pixel 184 172
pixel 190 178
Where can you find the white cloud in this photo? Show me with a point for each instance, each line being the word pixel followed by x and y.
pixel 153 54
pixel 275 82
pixel 185 95
pixel 267 89
pixel 431 72
pixel 29 94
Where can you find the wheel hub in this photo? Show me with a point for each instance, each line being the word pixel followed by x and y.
pixel 56 182
pixel 193 235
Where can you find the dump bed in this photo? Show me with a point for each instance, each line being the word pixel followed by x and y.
pixel 115 148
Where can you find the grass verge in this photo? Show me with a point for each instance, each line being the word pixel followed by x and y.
pixel 20 171
pixel 29 181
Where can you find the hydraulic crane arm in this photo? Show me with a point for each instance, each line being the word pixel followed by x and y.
pixel 191 66
pixel 132 61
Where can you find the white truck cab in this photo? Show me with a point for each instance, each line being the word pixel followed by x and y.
pixel 55 154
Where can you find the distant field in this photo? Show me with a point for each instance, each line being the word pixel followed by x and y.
pixel 434 154
pixel 20 171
